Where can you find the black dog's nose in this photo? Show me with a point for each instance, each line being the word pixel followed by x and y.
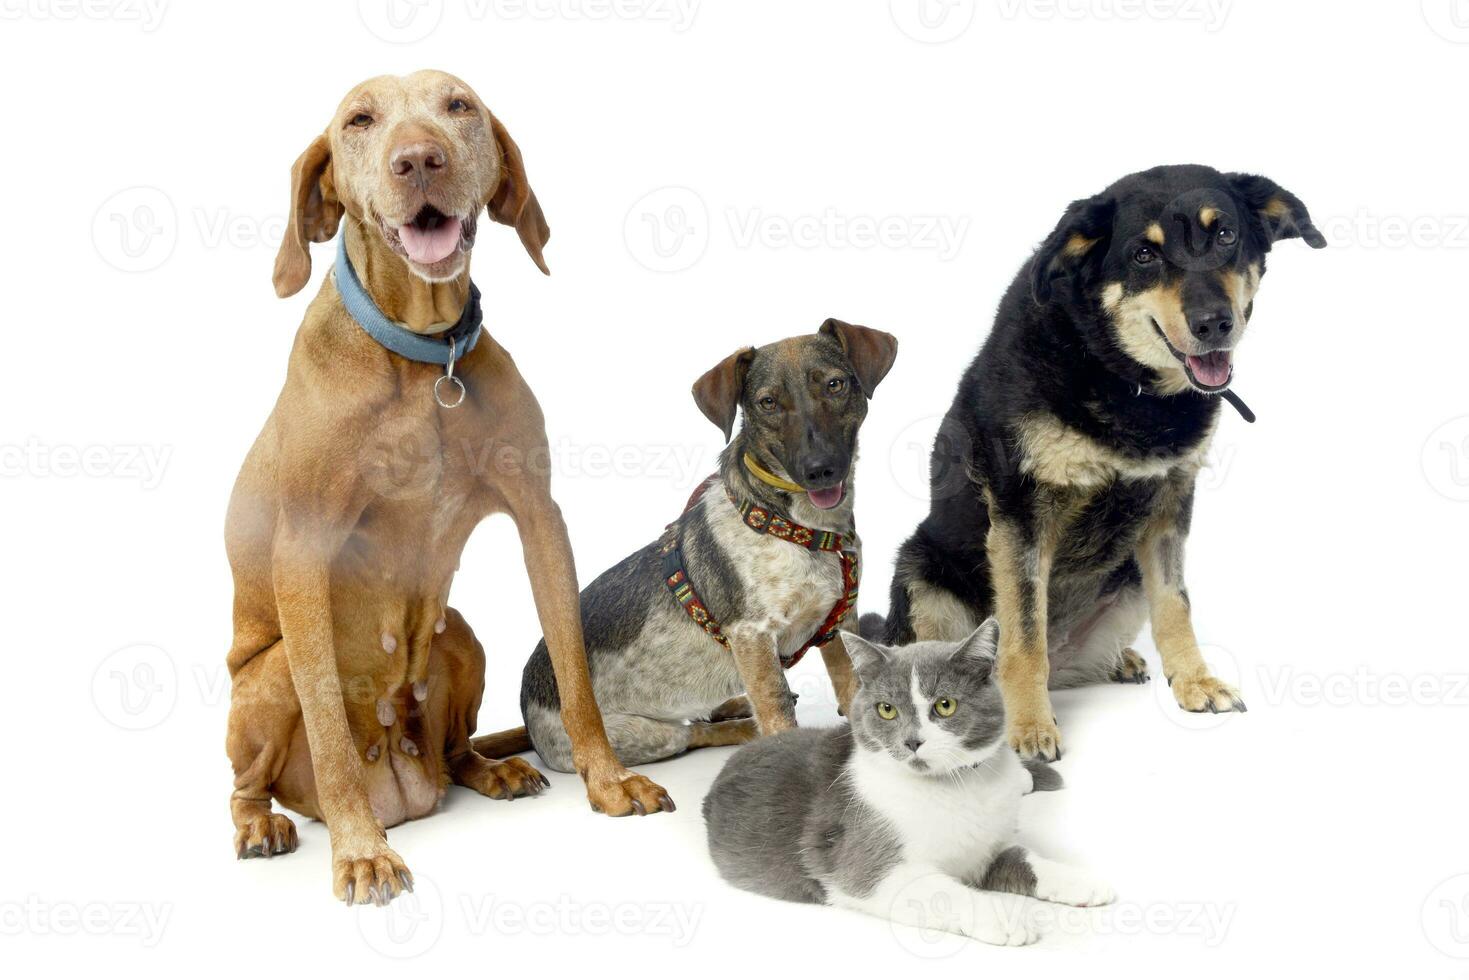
pixel 913 743
pixel 822 469
pixel 1212 326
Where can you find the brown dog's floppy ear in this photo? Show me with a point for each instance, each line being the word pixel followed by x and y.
pixel 514 203
pixel 314 216
pixel 1279 211
pixel 1080 238
pixel 871 352
pixel 718 392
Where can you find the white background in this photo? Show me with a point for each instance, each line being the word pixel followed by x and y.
pixel 144 348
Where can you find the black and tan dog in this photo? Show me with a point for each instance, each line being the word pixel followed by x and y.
pixel 687 637
pixel 1062 479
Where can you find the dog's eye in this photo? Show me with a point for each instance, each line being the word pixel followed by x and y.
pixel 1227 236
pixel 945 707
pixel 886 711
pixel 767 403
pixel 836 385
pixel 458 105
pixel 1144 255
pixel 362 120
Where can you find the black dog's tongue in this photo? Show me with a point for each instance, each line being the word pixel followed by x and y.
pixel 1239 404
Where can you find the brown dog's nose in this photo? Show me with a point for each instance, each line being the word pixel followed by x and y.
pixel 418 160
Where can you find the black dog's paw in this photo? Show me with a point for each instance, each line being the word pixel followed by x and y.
pixel 1131 669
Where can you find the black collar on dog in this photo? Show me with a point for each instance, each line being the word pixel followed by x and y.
pixel 1239 404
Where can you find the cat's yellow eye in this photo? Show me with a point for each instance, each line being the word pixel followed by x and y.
pixel 945 707
pixel 886 711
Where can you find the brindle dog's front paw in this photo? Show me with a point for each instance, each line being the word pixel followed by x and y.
pixel 1035 739
pixel 1205 693
pixel 371 873
pixel 624 792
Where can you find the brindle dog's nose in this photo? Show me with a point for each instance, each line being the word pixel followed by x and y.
pixel 1212 327
pixel 418 160
pixel 822 469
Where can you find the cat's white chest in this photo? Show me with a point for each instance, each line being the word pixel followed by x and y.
pixel 956 823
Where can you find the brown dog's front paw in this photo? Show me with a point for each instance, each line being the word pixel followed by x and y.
pixel 1205 693
pixel 1036 739
pixel 265 836
pixel 627 793
pixel 370 874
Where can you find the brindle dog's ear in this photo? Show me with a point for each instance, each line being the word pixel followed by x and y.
pixel 870 352
pixel 1078 243
pixel 1280 213
pixel 514 203
pixel 315 213
pixel 718 392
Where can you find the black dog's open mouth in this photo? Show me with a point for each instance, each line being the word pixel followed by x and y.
pixel 431 236
pixel 1207 372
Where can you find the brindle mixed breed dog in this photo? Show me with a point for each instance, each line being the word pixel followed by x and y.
pixel 1062 479
pixel 665 684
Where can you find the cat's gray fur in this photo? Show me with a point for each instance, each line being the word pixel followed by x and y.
pixel 895 816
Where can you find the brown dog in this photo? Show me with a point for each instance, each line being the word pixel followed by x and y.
pixel 355 686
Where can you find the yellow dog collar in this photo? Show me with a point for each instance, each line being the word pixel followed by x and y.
pixel 766 476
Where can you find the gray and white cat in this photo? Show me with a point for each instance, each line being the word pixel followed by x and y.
pixel 909 813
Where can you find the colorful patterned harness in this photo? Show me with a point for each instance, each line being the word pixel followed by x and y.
pixel 763 521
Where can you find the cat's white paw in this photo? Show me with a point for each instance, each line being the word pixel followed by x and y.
pixel 1003 922
pixel 1072 886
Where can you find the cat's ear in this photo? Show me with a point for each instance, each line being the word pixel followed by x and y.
pixel 865 656
pixel 978 649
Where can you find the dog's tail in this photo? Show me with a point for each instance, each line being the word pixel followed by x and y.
pixel 501 744
pixel 872 626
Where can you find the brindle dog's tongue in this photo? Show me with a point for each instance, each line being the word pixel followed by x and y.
pixel 826 499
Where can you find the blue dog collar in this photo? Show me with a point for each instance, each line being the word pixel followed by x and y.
pixel 441 348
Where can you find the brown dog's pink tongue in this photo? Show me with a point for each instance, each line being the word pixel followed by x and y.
pixel 428 247
pixel 1210 369
pixel 826 499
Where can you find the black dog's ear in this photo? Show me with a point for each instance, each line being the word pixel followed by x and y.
pixel 1279 212
pixel 1081 237
pixel 718 392
pixel 870 352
